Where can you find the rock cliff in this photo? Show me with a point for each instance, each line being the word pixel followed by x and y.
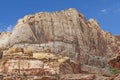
pixel 17 61
pixel 69 34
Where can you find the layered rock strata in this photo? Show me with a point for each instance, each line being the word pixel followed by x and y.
pixel 69 34
pixel 21 62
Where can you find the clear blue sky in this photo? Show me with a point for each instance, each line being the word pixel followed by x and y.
pixel 107 12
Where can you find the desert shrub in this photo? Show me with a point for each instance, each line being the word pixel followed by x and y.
pixel 114 70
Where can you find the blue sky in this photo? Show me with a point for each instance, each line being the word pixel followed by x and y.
pixel 107 12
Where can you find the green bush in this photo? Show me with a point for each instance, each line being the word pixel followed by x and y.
pixel 114 70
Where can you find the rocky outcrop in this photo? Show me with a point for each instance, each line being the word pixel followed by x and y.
pixel 115 77
pixel 37 64
pixel 82 77
pixel 115 61
pixel 67 33
pixel 78 77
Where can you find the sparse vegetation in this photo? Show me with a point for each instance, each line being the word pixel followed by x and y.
pixel 57 76
pixel 114 70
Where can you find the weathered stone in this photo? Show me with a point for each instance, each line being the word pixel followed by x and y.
pixel 39 64
pixel 78 77
pixel 115 61
pixel 115 77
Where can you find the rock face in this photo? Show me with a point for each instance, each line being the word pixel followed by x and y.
pixel 115 61
pixel 69 34
pixel 78 77
pixel 116 77
pixel 37 64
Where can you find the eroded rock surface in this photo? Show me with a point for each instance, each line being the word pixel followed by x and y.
pixel 115 77
pixel 36 64
pixel 115 61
